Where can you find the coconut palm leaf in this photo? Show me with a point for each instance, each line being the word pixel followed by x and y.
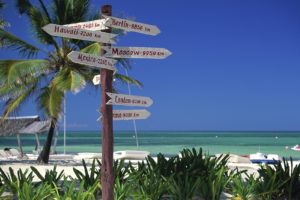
pixel 15 103
pixel 23 6
pixel 67 79
pixel 127 79
pixel 39 20
pixel 13 70
pixel 11 41
pixel 50 100
pixel 93 49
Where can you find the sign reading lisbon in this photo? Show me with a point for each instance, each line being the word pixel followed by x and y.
pixel 129 25
pixel 80 34
pixel 128 100
pixel 92 60
pixel 136 52
pixel 130 114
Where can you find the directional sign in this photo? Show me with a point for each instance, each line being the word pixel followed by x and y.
pixel 133 26
pixel 136 52
pixel 92 60
pixel 80 34
pixel 95 25
pixel 128 100
pixel 97 79
pixel 130 114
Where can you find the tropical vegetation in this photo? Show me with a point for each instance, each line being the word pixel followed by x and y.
pixel 44 72
pixel 189 175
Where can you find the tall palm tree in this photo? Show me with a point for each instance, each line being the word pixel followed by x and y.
pixel 47 79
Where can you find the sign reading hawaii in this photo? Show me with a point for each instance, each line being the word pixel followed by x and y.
pixel 130 114
pixel 128 100
pixel 80 34
pixel 92 60
pixel 136 52
pixel 132 26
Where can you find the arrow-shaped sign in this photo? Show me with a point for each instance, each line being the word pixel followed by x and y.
pixel 95 25
pixel 80 34
pixel 133 26
pixel 136 52
pixel 92 60
pixel 128 100
pixel 130 114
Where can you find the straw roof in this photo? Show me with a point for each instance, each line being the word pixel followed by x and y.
pixel 22 125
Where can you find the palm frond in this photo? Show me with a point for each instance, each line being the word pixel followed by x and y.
pixel 39 20
pixel 50 100
pixel 23 6
pixel 93 49
pixel 12 71
pixel 11 41
pixel 70 11
pixel 127 79
pixel 68 79
pixel 1 4
pixel 14 103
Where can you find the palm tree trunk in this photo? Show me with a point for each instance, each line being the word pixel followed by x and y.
pixel 44 155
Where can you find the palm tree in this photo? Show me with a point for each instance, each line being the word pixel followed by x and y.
pixel 47 79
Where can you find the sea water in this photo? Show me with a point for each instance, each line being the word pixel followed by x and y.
pixel 172 142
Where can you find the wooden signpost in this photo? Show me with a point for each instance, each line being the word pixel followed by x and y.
pixel 130 114
pixel 80 34
pixel 137 52
pixel 128 100
pixel 89 31
pixel 92 60
pixel 128 25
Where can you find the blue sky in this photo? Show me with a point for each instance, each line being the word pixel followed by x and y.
pixel 235 65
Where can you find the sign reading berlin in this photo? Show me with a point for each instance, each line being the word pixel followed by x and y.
pixel 136 52
pixel 80 34
pixel 133 26
pixel 128 100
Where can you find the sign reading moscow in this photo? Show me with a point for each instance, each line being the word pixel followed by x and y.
pixel 80 34
pixel 136 52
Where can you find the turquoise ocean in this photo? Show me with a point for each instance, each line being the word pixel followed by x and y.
pixel 171 142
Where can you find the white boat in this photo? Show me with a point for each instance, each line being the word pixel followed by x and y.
pixel 265 158
pixel 131 155
pixel 296 147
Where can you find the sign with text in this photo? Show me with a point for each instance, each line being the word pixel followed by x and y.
pixel 136 52
pixel 132 26
pixel 80 34
pixel 95 25
pixel 130 114
pixel 92 60
pixel 128 100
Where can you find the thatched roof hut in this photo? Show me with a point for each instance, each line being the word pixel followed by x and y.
pixel 23 125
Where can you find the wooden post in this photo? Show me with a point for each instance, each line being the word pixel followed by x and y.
pixel 107 173
pixel 20 144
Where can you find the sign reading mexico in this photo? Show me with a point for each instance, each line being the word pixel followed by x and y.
pixel 80 34
pixel 128 100
pixel 129 25
pixel 130 114
pixel 92 60
pixel 136 52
